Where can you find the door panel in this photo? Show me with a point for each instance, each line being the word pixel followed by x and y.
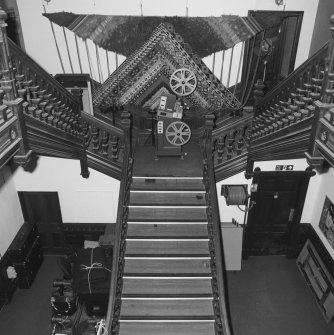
pixel 273 221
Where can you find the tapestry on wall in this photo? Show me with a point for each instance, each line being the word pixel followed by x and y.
pixel 326 223
pixel 125 34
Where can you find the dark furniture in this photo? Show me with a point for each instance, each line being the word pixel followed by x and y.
pixel 318 278
pixel 25 254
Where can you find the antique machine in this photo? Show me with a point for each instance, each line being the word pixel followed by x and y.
pixel 172 132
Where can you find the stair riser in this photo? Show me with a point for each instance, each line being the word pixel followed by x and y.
pixel 167 230
pixel 182 247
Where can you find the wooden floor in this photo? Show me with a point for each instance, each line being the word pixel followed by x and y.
pixel 146 164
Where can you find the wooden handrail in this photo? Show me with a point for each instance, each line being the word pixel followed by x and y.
pixel 293 81
pixel 216 246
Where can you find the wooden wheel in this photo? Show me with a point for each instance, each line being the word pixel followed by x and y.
pixel 183 82
pixel 178 133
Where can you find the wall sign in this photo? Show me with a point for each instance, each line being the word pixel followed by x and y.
pixel 284 168
pixel 326 223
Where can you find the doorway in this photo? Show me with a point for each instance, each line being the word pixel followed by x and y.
pixel 43 209
pixel 273 222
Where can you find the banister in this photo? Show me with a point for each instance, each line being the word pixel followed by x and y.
pixel 293 81
pixel 215 244
pixel 232 124
pixel 92 120
pixel 20 59
pixel 120 235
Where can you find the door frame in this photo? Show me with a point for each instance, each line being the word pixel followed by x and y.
pixel 292 249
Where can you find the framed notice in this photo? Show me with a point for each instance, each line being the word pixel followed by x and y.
pixel 326 223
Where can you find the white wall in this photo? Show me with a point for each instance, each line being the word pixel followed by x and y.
pixel 81 200
pixel 42 48
pixel 11 217
pixel 325 187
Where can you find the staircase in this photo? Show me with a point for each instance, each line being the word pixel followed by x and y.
pixel 167 275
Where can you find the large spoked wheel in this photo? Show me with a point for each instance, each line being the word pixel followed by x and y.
pixel 178 133
pixel 183 82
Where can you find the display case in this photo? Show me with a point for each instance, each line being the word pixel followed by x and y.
pixel 318 278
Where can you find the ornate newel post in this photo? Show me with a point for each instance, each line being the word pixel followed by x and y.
pixel 10 98
pixel 320 151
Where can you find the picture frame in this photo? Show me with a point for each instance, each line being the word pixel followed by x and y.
pixel 326 223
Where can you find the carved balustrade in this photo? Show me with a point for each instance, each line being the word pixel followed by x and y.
pixel 320 152
pixel 222 325
pixel 13 138
pixel 44 98
pixel 293 100
pixel 116 283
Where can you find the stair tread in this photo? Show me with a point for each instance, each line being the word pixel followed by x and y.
pixel 166 295
pixel 164 307
pixel 167 328
pixel 185 265
pixel 172 247
pixel 167 184
pixel 190 199
pixel 164 285
pixel 167 214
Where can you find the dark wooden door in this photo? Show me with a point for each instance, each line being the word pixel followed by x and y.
pixel 43 208
pixel 272 225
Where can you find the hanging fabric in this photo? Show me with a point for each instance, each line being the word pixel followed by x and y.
pixel 125 34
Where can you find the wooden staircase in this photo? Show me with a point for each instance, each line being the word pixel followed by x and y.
pixel 167 276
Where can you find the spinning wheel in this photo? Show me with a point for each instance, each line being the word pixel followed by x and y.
pixel 178 133
pixel 183 82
